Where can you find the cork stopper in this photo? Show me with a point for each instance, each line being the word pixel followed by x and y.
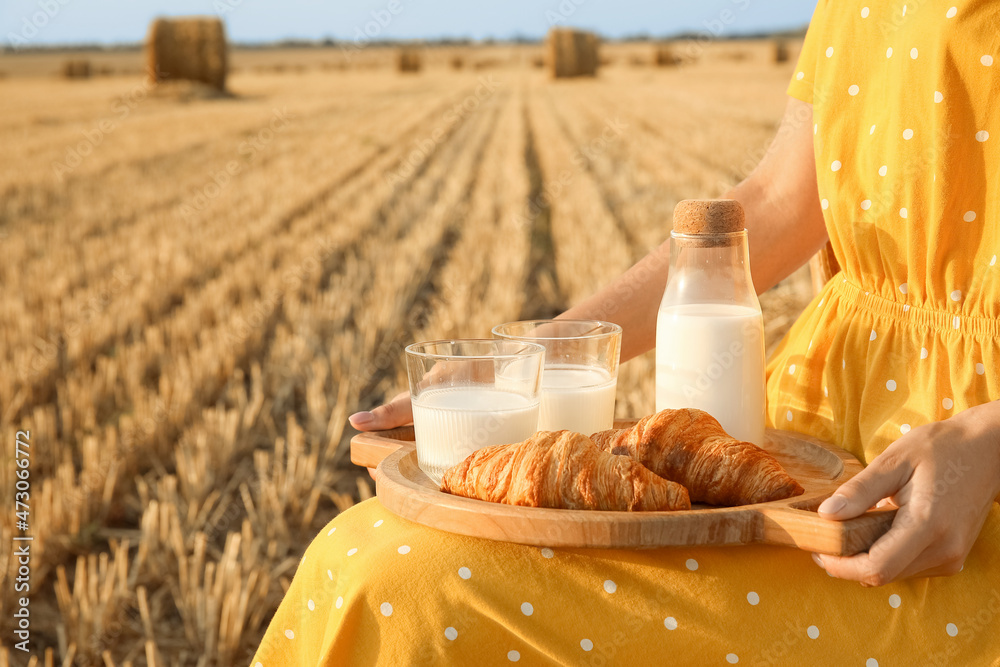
pixel 708 216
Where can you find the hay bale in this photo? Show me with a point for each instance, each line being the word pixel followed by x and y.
pixel 457 62
pixel 408 61
pixel 781 54
pixel 192 49
pixel 664 56
pixel 572 53
pixel 538 62
pixel 76 69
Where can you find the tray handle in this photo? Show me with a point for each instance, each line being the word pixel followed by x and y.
pixel 369 448
pixel 806 530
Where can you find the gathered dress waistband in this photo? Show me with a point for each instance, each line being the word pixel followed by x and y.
pixel 923 317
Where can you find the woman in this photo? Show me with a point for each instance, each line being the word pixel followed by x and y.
pixel 890 148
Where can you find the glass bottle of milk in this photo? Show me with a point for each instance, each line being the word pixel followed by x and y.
pixel 709 330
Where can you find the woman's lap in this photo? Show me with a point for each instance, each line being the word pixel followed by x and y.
pixel 410 595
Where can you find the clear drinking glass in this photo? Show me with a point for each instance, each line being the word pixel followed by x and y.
pixel 581 371
pixel 469 394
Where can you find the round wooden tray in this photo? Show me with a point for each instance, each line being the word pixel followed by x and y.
pixel 403 488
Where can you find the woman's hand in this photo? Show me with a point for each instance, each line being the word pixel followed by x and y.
pixel 943 477
pixel 393 414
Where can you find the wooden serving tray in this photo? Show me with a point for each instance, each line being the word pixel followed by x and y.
pixel 404 489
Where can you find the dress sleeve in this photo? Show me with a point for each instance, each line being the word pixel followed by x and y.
pixel 801 86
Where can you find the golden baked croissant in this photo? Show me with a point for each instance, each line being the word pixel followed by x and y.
pixel 690 447
pixel 562 470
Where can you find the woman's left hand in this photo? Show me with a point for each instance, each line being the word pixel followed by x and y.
pixel 943 477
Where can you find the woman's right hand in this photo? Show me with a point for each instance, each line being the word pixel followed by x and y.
pixel 393 414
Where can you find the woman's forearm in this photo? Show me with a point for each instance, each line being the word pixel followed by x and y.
pixel 784 225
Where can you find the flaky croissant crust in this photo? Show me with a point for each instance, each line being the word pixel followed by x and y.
pixel 690 447
pixel 562 470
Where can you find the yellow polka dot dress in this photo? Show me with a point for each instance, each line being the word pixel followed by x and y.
pixel 907 140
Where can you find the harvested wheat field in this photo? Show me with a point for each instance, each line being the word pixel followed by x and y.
pixel 198 289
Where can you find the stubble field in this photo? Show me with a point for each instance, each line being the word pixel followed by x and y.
pixel 198 290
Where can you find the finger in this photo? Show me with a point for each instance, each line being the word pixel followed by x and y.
pixel 887 558
pixel 860 493
pixel 371 472
pixel 393 414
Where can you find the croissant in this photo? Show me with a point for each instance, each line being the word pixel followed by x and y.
pixel 562 470
pixel 690 447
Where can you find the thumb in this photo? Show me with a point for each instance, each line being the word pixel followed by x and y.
pixel 860 493
pixel 393 414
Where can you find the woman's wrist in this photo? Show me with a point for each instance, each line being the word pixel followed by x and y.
pixel 982 423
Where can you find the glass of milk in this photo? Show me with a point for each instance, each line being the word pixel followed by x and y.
pixel 469 394
pixel 581 371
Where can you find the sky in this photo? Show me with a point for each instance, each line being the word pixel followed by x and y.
pixel 50 22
